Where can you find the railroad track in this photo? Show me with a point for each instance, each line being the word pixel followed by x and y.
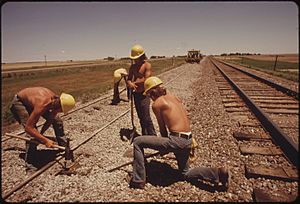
pixel 81 127
pixel 267 114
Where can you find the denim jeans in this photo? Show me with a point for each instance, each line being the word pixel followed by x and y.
pixel 142 106
pixel 181 147
pixel 21 114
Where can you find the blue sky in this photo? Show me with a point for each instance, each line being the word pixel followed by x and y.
pixel 95 30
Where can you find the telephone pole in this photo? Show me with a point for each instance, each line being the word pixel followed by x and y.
pixel 45 60
pixel 275 62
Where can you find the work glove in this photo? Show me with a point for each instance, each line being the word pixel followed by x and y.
pixel 192 156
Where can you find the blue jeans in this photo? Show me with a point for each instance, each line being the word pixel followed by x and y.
pixel 181 147
pixel 142 106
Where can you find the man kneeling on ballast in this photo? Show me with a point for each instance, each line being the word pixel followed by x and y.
pixel 171 116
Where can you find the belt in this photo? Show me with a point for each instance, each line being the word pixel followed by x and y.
pixel 178 134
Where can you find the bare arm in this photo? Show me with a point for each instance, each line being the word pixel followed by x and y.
pixel 49 120
pixel 30 127
pixel 147 73
pixel 161 123
pixel 131 84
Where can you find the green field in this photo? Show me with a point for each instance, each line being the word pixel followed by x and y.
pixel 287 70
pixel 85 83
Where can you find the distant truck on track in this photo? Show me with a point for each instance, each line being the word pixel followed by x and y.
pixel 193 56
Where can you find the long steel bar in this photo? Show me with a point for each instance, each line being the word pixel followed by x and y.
pixel 286 144
pixel 128 163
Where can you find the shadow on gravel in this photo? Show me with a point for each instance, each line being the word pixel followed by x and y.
pixel 161 174
pixel 125 134
pixel 42 157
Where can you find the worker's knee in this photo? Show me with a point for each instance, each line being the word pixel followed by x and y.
pixel 137 141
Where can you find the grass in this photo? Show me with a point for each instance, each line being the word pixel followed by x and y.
pixel 85 83
pixel 285 70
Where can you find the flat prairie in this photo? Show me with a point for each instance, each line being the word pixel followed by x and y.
pixel 294 58
pixel 26 65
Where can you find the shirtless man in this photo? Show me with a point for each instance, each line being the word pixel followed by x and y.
pixel 171 116
pixel 139 71
pixel 29 105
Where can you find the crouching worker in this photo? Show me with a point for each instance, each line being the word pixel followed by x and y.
pixel 119 74
pixel 171 116
pixel 29 105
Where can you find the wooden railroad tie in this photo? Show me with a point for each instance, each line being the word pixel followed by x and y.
pixel 249 124
pixel 282 111
pixel 250 136
pixel 245 149
pixel 228 100
pixel 262 195
pixel 276 101
pixel 242 109
pixel 279 173
pixel 233 105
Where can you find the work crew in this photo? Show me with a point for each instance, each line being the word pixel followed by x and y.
pixel 171 116
pixel 139 71
pixel 29 105
pixel 119 74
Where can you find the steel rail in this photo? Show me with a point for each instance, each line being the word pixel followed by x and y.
pixel 50 164
pixel 286 144
pixel 279 87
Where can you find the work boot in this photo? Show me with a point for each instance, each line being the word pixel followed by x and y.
pixel 138 185
pixel 29 168
pixel 224 177
pixel 115 101
pixel 132 184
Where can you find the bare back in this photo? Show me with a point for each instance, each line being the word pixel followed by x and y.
pixel 170 112
pixel 40 101
pixel 36 97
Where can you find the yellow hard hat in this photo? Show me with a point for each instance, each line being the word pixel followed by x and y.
pixel 136 52
pixel 119 73
pixel 67 102
pixel 150 83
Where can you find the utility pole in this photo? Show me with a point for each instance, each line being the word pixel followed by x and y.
pixel 173 60
pixel 275 62
pixel 45 60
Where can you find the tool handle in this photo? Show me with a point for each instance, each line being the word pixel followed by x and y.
pixel 22 138
pixel 131 108
pixel 128 163
pixel 59 147
pixel 31 140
